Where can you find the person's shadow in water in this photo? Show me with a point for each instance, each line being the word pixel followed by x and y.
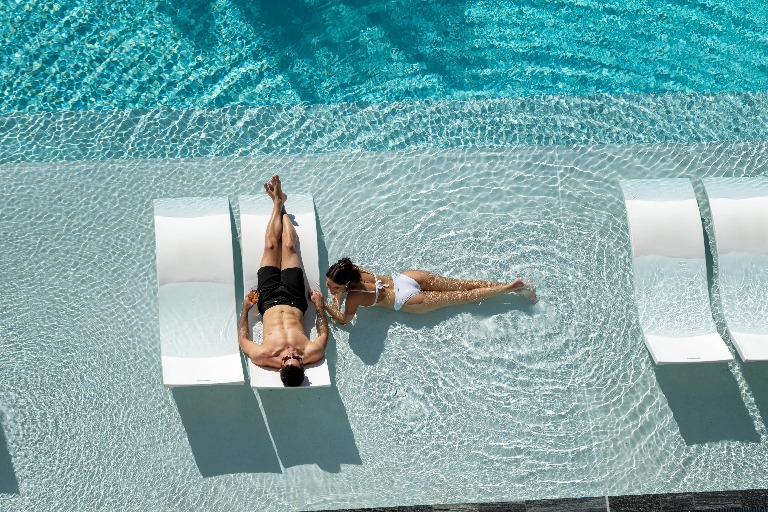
pixel 365 340
pixel 9 484
pixel 368 335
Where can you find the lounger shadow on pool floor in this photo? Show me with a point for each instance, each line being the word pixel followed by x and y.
pixel 9 484
pixel 311 427
pixel 756 376
pixel 706 403
pixel 226 430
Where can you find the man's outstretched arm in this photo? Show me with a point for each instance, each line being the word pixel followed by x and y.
pixel 247 345
pixel 316 349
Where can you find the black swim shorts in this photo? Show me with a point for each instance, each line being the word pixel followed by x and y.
pixel 278 288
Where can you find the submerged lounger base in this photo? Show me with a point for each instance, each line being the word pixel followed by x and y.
pixel 708 348
pixel 751 347
pixel 184 371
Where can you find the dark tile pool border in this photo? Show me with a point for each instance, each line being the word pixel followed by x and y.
pixel 748 500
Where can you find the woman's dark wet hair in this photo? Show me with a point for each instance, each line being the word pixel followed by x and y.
pixel 292 375
pixel 343 272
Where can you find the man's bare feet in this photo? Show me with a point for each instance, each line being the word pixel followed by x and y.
pixel 275 189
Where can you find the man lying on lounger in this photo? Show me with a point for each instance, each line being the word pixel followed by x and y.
pixel 282 301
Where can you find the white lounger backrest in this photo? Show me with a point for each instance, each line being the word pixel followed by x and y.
pixel 254 216
pixel 739 214
pixel 669 264
pixel 181 257
pixel 739 209
pixel 196 292
pixel 664 228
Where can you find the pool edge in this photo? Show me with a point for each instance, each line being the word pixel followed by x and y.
pixel 747 500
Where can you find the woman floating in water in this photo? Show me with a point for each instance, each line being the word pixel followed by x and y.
pixel 414 291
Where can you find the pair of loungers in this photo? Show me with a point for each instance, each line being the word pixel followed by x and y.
pixel 196 287
pixel 670 269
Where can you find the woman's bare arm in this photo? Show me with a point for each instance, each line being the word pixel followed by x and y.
pixel 337 315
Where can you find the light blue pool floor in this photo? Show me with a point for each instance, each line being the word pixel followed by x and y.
pixel 491 402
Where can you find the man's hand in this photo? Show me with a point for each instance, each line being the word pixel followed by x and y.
pixel 243 330
pixel 247 304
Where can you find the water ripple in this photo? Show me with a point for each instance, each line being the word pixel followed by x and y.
pixel 384 127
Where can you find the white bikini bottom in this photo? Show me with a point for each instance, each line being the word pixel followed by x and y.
pixel 405 288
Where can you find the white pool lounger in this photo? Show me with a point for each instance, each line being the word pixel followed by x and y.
pixel 254 216
pixel 670 274
pixel 739 209
pixel 196 292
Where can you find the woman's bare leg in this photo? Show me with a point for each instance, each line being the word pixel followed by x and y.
pixel 433 282
pixel 428 301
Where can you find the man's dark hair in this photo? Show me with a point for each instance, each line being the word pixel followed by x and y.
pixel 292 375
pixel 343 272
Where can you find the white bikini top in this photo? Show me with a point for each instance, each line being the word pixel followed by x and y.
pixel 379 286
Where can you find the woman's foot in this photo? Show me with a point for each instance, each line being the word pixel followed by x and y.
pixel 524 288
pixel 530 294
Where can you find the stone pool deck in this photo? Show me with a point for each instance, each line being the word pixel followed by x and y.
pixel 749 500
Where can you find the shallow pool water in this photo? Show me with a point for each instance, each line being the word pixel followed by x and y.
pixel 473 139
pixel 497 401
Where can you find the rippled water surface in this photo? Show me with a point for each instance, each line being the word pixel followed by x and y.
pixel 84 54
pixel 497 401
pixel 474 139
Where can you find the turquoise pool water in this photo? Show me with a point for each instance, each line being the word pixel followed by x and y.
pixel 458 167
pixel 87 55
